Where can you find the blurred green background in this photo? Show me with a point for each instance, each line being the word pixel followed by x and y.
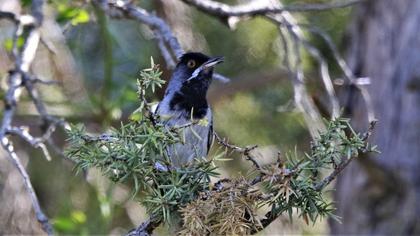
pixel 97 61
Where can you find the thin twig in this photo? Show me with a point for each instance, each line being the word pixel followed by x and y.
pixel 245 151
pixel 41 217
pixel 274 10
pixel 254 8
pixel 168 44
pixel 166 54
pixel 18 78
pixel 36 142
pixel 10 16
pixel 302 98
pixel 340 167
pixel 19 20
pixel 348 73
pixel 280 15
pixel 146 228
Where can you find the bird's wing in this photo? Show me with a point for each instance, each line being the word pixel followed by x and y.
pixel 210 137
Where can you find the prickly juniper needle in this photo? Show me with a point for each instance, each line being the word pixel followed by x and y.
pixel 185 101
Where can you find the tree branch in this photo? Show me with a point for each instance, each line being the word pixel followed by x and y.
pixel 339 168
pixel 10 16
pixel 168 44
pixel 254 8
pixel 41 217
pixel 18 79
pixel 280 15
pixel 145 229
pixel 244 151
pixel 22 20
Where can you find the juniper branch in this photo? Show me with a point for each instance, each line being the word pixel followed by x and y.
pixel 338 169
pixel 134 151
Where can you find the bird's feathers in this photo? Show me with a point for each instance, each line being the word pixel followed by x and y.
pixel 185 102
pixel 197 137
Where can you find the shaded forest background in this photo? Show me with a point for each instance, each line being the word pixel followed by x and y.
pixel 96 61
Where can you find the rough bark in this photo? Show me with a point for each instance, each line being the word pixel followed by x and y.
pixel 381 195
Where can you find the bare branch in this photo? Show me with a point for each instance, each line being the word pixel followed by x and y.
pixel 39 104
pixel 18 79
pixel 153 21
pixel 36 142
pixel 348 73
pixel 166 54
pixel 44 82
pixel 259 8
pixel 15 79
pixel 9 15
pixel 42 219
pixel 285 22
pixel 19 20
pixel 302 98
pixel 167 42
pixel 325 75
pixel 280 15
pixel 245 151
pixel 221 78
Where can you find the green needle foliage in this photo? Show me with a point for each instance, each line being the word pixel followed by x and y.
pixel 286 186
pixel 300 187
pixel 136 152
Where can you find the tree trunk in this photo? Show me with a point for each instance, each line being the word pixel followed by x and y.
pixel 381 195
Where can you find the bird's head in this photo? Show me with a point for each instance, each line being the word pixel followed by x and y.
pixel 190 81
pixel 196 68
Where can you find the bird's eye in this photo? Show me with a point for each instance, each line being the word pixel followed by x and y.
pixel 191 63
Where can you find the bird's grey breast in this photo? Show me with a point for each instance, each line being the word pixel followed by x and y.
pixel 195 137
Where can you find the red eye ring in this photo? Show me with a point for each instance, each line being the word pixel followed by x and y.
pixel 191 63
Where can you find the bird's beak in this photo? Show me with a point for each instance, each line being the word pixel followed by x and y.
pixel 212 62
pixel 205 66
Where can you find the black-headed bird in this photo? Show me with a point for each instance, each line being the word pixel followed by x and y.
pixel 185 102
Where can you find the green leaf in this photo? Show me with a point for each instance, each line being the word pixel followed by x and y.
pixel 64 224
pixel 8 44
pixel 73 14
pixel 81 17
pixel 78 217
pixel 26 3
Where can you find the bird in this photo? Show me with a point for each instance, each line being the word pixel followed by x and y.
pixel 184 101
